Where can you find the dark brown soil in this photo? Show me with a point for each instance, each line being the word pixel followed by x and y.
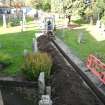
pixel 67 86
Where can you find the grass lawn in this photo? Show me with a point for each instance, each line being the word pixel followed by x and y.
pixel 14 44
pixel 90 46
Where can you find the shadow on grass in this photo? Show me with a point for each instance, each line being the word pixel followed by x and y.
pixel 80 21
pixel 82 50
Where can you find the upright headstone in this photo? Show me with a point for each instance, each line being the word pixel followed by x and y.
pixel 80 38
pixel 48 90
pixel 34 45
pixel 25 52
pixel 4 21
pixel 45 100
pixel 41 83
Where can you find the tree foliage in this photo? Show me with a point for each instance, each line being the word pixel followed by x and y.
pixel 41 4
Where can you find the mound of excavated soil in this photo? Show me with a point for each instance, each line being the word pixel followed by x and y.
pixel 67 86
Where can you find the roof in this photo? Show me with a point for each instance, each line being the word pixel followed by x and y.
pixel 3 5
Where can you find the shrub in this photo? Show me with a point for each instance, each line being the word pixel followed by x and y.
pixel 29 19
pixel 5 59
pixel 14 22
pixel 46 7
pixel 35 63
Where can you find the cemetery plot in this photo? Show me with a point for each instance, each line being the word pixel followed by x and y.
pixel 13 45
pixel 19 95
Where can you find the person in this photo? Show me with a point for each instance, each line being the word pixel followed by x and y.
pixel 49 28
pixel 49 25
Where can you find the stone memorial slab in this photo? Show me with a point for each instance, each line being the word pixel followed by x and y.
pixel 41 83
pixel 45 100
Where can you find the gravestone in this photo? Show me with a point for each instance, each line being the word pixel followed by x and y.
pixel 45 100
pixel 41 83
pixel 34 45
pixel 48 90
pixel 81 38
pixel 25 52
pixel 4 20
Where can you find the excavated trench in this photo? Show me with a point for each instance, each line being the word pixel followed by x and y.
pixel 67 86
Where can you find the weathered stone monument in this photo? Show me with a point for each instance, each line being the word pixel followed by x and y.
pixel 45 100
pixel 41 83
pixel 4 21
pixel 81 38
pixel 48 90
pixel 25 52
pixel 34 45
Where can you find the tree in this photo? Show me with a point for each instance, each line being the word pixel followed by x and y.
pixel 40 4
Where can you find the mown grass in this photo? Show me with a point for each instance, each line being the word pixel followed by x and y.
pixel 79 21
pixel 90 46
pixel 14 44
